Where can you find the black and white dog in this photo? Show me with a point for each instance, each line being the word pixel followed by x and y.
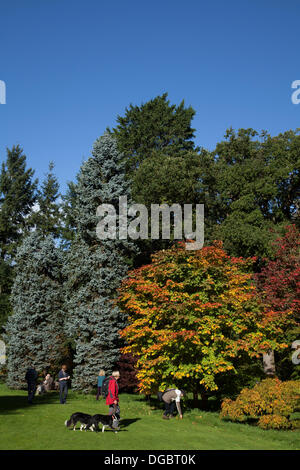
pixel 111 421
pixel 84 419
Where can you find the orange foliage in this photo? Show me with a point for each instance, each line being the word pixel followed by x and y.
pixel 271 402
pixel 191 314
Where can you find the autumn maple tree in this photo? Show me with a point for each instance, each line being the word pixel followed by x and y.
pixel 279 280
pixel 279 288
pixel 191 316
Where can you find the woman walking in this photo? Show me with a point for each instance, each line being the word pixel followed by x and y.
pixel 101 378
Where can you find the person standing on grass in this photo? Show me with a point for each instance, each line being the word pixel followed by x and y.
pixel 171 397
pixel 101 378
pixel 112 398
pixel 31 377
pixel 63 378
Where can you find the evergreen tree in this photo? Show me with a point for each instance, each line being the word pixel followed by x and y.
pixel 17 197
pixel 94 268
pixel 68 215
pixel 154 126
pixel 48 218
pixel 6 280
pixel 34 332
pixel 167 179
pixel 252 187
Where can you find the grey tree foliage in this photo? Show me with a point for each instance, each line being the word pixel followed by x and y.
pixel 34 332
pixel 95 268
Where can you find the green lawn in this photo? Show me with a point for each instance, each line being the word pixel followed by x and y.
pixel 41 426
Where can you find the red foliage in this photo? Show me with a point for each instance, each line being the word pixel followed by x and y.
pixel 279 280
pixel 128 381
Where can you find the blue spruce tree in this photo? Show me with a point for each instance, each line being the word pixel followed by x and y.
pixel 34 332
pixel 95 268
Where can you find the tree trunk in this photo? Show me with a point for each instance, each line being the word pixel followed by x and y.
pixel 195 399
pixel 269 363
pixel 204 400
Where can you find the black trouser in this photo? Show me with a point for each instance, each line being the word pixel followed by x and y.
pixel 63 392
pixel 31 391
pixel 98 393
pixel 169 408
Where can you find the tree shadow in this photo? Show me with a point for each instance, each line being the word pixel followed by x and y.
pixel 10 404
pixel 212 405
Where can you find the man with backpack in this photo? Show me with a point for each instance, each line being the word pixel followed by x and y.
pixel 170 397
pixel 110 391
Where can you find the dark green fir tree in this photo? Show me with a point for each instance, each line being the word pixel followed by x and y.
pixel 47 217
pixel 17 198
pixel 34 332
pixel 95 268
pixel 155 126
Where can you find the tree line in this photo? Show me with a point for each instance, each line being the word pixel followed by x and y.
pixel 59 282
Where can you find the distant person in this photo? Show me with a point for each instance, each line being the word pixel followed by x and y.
pixel 171 397
pixel 63 378
pixel 112 398
pixel 101 378
pixel 48 383
pixel 31 377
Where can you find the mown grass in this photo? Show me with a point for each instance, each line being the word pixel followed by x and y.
pixel 41 426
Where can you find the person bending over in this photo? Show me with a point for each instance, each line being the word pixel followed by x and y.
pixel 171 397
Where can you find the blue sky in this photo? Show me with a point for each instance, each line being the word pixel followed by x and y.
pixel 71 67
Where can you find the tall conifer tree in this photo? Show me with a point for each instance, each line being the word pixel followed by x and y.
pixel 95 268
pixel 34 332
pixel 155 126
pixel 48 217
pixel 17 197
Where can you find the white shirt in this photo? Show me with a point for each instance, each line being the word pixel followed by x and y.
pixel 178 393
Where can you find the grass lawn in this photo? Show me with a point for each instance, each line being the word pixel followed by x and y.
pixel 41 426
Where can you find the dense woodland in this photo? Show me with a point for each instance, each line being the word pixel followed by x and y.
pixel 164 315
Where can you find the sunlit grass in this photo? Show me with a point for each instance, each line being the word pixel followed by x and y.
pixel 41 426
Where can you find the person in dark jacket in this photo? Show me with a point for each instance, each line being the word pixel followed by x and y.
pixel 63 378
pixel 30 377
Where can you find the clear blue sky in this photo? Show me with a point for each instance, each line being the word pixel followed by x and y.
pixel 71 66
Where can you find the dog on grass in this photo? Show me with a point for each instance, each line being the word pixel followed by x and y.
pixel 111 421
pixel 84 419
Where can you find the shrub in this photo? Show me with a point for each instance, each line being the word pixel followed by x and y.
pixel 270 402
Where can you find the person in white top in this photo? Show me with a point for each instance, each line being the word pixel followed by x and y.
pixel 171 397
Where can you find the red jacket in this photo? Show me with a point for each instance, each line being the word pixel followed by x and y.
pixel 113 391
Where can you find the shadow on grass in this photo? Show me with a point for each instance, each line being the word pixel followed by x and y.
pixel 9 404
pixel 127 422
